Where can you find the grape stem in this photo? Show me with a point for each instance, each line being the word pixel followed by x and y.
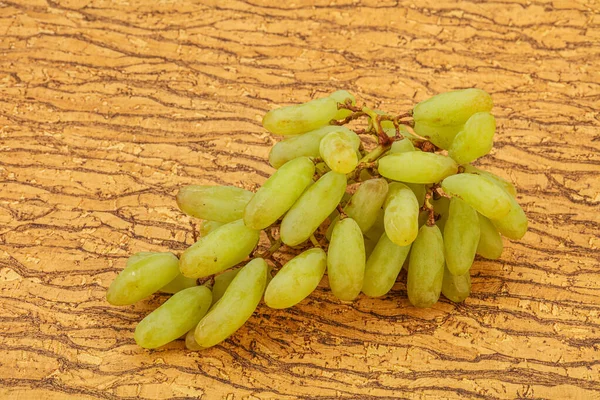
pixel 341 211
pixel 427 206
pixel 270 251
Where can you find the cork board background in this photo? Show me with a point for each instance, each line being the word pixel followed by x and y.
pixel 107 107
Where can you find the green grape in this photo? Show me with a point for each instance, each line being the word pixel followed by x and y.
pixel 514 224
pixel 452 108
pixel 173 318
pixel 144 274
pixel 383 267
pixel 222 282
pixel 490 243
pixel 190 341
pixel 369 246
pixel 480 193
pixel 402 146
pixel 209 226
pixel 419 190
pixel 279 193
pixel 475 139
pixel 417 167
pixel 305 145
pixel 461 237
pixel 341 96
pixel 214 203
pixel 312 208
pixel 426 267
pixel 366 202
pixel 179 283
pixel 390 130
pixel 456 288
pixel 441 207
pixel 223 248
pixel 506 185
pixel 423 218
pixel 441 136
pixel 235 307
pixel 346 260
pixel 378 227
pixel 386 125
pixel 298 278
pixel 401 217
pixel 338 151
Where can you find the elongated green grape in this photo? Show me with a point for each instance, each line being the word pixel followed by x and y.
pixel 173 318
pixel 490 243
pixel 452 108
pixel 209 226
pixel 279 193
pixel 339 152
pixel 456 288
pixel 419 190
pixel 190 341
pixel 222 249
pixel 305 145
pixel 366 202
pixel 312 208
pixel 369 246
pixel 378 227
pixel 461 237
pixel 346 260
pixel 441 207
pixel 383 267
pixel 144 274
pixel 480 193
pixel 222 282
pixel 475 139
pixel 214 203
pixel 298 278
pixel 426 267
pixel 235 306
pixel 514 224
pixel 340 96
pixel 401 217
pixel 179 283
pixel 506 185
pixel 402 146
pixel 441 136
pixel 417 167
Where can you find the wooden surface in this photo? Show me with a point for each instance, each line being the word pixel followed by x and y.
pixel 106 108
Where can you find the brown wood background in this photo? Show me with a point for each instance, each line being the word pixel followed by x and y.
pixel 107 107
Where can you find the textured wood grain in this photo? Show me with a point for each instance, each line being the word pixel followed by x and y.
pixel 106 108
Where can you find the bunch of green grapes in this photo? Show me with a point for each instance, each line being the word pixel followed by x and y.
pixel 358 216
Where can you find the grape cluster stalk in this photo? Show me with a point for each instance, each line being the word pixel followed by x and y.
pixel 360 216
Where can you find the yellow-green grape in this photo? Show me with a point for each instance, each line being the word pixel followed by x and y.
pixel 417 167
pixel 298 278
pixel 346 260
pixel 402 146
pixel 390 130
pixel 441 207
pixel 419 190
pixel 461 236
pixel 452 108
pixel 338 150
pixel 441 136
pixel 366 202
pixel 506 185
pixel 490 243
pixel 305 145
pixel 456 288
pixel 388 126
pixel 312 208
pixel 214 203
pixel 235 307
pixel 383 266
pixel 369 246
pixel 401 217
pixel 144 274
pixel 179 283
pixel 173 318
pixel 209 226
pixel 378 227
pixel 480 193
pixel 223 248
pixel 423 218
pixel 514 224
pixel 279 193
pixel 341 96
pixel 426 267
pixel 222 282
pixel 475 139
pixel 190 341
